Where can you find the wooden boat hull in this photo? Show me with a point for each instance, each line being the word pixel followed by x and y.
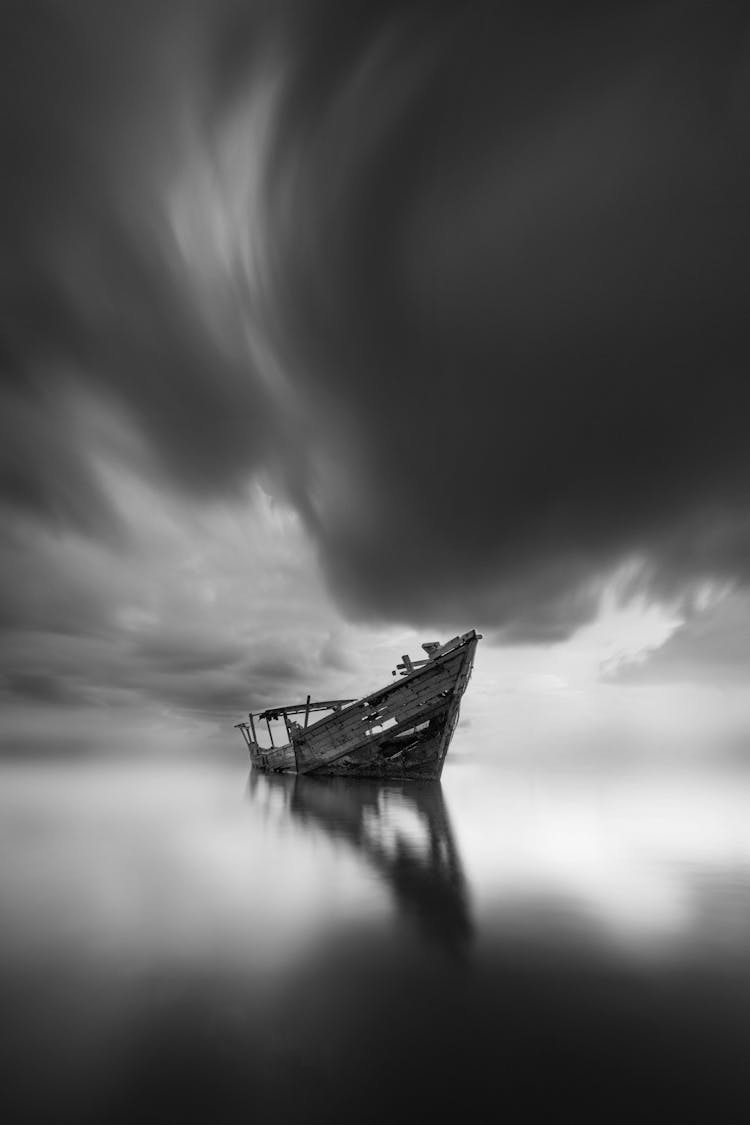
pixel 400 732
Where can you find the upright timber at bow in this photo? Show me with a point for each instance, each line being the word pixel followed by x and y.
pixel 401 731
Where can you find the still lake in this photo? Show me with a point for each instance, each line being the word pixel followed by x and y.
pixel 185 941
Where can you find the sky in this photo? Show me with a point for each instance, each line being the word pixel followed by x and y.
pixel 332 327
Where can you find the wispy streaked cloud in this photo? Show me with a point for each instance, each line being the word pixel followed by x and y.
pixel 461 287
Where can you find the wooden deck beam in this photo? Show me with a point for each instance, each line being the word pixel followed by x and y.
pixel 301 708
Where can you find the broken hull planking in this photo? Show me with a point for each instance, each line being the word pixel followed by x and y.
pixel 419 712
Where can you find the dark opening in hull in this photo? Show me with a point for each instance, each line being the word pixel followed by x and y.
pixel 402 731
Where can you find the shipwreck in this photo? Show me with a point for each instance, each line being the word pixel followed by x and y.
pixel 400 731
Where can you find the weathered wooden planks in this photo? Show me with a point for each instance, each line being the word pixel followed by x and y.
pixel 405 701
pixel 401 731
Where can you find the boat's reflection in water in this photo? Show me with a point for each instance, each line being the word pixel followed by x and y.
pixel 401 829
pixel 175 948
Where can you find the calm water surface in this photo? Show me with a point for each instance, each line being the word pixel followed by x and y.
pixel 184 942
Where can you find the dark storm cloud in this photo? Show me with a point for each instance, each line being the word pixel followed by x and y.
pixel 38 688
pixel 181 650
pixel 199 620
pixel 515 249
pixel 202 675
pixel 489 333
pixel 95 292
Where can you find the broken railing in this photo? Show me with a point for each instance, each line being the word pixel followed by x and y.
pixel 272 714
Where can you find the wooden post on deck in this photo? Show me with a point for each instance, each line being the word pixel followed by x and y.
pixel 270 732
pixel 307 711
